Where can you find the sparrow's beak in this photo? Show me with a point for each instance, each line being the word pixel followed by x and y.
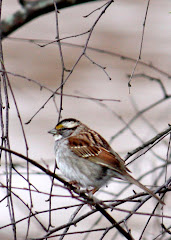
pixel 53 131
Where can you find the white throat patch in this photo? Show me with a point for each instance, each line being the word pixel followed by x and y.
pixel 57 137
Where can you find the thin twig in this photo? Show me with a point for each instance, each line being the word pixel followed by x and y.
pixel 77 61
pixel 5 141
pixel 149 142
pixel 103 68
pixel 138 115
pixel 61 58
pixel 141 45
pixel 41 86
pixel 70 220
pixel 107 52
pixel 143 75
pixel 99 8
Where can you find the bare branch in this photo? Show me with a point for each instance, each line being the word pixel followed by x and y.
pixel 107 52
pixel 149 142
pixel 138 115
pixel 153 79
pixel 77 61
pixel 87 198
pixel 30 11
pixel 83 206
pixel 142 38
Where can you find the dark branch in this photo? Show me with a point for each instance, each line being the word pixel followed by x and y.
pixel 86 197
pixel 33 10
pixel 151 141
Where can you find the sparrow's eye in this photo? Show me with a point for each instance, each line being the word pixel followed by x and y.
pixel 63 129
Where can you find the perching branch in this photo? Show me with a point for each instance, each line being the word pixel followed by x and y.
pixel 87 198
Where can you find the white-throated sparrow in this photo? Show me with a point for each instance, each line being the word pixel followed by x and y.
pixel 85 157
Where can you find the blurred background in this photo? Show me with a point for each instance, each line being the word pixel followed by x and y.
pixel 116 36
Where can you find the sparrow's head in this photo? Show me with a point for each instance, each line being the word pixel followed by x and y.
pixel 65 128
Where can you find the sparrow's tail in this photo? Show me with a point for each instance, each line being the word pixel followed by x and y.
pixel 130 179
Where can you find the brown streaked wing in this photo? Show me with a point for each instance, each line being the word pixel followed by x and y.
pixel 96 154
pixel 99 140
pixel 82 148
